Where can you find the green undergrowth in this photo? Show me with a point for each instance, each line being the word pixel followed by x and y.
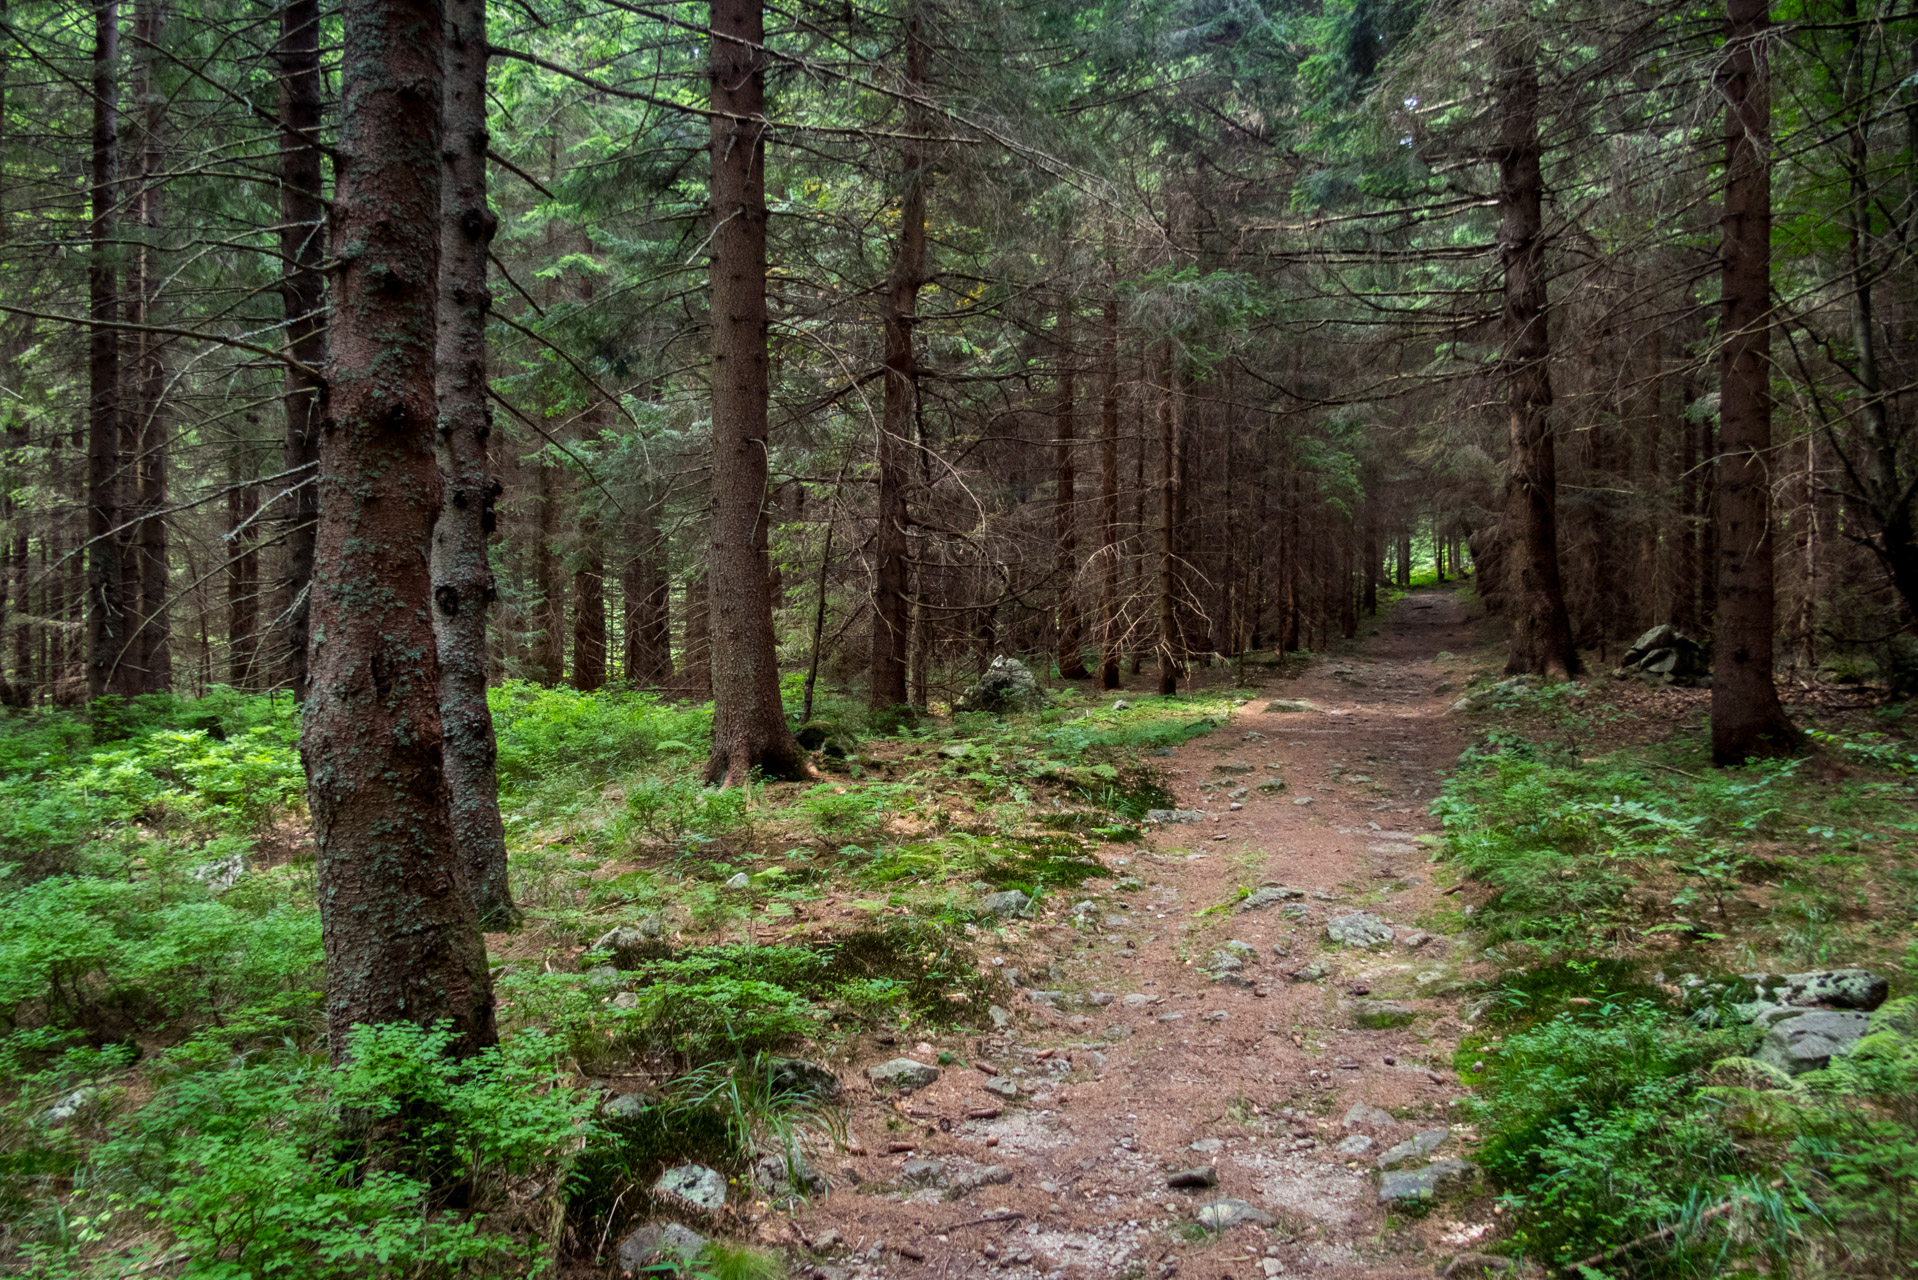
pixel 1623 1119
pixel 166 1106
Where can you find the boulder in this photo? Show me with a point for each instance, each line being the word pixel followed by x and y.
pixel 1831 988
pixel 624 1106
pixel 1007 685
pixel 1008 902
pixel 1808 1041
pixel 925 1173
pixel 1286 705
pixel 1412 1186
pixel 902 1073
pixel 693 1186
pixel 1358 929
pixel 632 945
pixel 825 736
pixel 1667 655
pixel 798 1077
pixel 739 880
pixel 1222 1214
pixel 662 1242
pixel 1381 1015
pixel 1001 1087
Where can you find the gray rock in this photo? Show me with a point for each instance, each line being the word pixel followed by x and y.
pixel 1223 1214
pixel 1224 961
pixel 1356 1145
pixel 928 1173
pixel 66 1107
pixel 1669 655
pixel 1272 786
pixel 1203 1175
pixel 1207 1146
pixel 1411 1186
pixel 1136 1000
pixel 693 1186
pixel 779 1177
pixel 1175 815
pixel 631 945
pixel 1381 1015
pixel 659 1242
pixel 1099 999
pixel 739 880
pixel 624 1106
pixel 1266 896
pixel 1808 1041
pixel 1007 685
pixel 1285 705
pixel 1008 902
pixel 1001 1087
pixel 1303 800
pixel 798 1076
pixel 1366 1113
pixel 1232 768
pixel 902 1073
pixel 1358 929
pixel 1310 973
pixel 1416 1147
pixel 221 874
pixel 1001 1018
pixel 1122 705
pixel 1833 988
pixel 993 1175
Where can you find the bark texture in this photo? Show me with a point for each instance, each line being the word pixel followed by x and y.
pixel 150 653
pixel 401 936
pixel 1072 665
pixel 107 604
pixel 749 722
pixel 463 588
pixel 1747 719
pixel 1541 630
pixel 892 576
pixel 1109 630
pixel 303 305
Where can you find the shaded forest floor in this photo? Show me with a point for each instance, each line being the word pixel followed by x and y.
pixel 1542 900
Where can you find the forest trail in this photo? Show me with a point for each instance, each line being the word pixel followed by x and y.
pixel 1133 1060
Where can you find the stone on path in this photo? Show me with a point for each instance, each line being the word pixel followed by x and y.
pixel 1358 929
pixel 1366 1113
pixel 1001 1087
pixel 902 1073
pixel 1356 1145
pixel 923 1172
pixel 798 1076
pixel 1381 1015
pixel 1416 1147
pixel 1266 896
pixel 1175 815
pixel 1415 1185
pixel 1221 1214
pixel 1288 705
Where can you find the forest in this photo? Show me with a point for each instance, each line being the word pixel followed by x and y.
pixel 918 638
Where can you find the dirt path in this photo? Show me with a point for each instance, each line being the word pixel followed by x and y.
pixel 1132 1060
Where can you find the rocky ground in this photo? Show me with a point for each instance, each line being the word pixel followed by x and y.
pixel 1196 1077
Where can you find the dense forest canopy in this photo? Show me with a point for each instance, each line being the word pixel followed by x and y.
pixel 529 408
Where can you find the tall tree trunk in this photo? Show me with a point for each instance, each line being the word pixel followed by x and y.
pixel 1541 639
pixel 242 574
pixel 463 587
pixel 1684 608
pixel 401 935
pixel 149 652
pixel 648 606
pixel 696 652
pixel 1369 553
pixel 1169 446
pixel 303 306
pixel 589 613
pixel 899 304
pixel 1747 720
pixel 749 723
pixel 1109 496
pixel 549 638
pixel 107 605
pixel 1072 664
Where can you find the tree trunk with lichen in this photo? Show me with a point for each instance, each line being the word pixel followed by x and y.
pixel 401 935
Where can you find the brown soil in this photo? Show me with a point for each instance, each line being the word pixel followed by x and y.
pixel 1114 1093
